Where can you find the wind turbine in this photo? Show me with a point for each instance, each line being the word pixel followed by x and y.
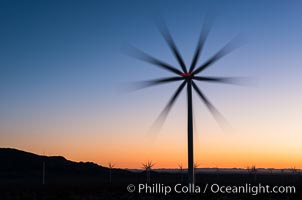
pixel 43 168
pixel 188 75
pixel 148 166
pixel 110 166
pixel 180 167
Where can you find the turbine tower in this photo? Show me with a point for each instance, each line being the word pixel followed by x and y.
pixel 188 75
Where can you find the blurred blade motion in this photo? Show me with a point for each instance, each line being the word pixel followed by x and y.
pixel 201 41
pixel 166 34
pixel 216 114
pixel 228 80
pixel 228 48
pixel 144 84
pixel 163 115
pixel 147 58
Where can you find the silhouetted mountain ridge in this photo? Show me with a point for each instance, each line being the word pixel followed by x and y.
pixel 14 159
pixel 21 165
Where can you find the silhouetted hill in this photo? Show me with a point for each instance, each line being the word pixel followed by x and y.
pixel 21 166
pixel 21 178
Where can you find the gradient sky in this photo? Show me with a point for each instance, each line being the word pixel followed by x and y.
pixel 63 75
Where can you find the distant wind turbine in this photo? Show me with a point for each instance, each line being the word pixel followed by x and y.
pixel 180 167
pixel 148 166
pixel 43 173
pixel 111 166
pixel 188 75
pixel 196 165
pixel 43 169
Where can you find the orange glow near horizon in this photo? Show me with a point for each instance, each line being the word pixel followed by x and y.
pixel 217 150
pixel 266 140
pixel 219 158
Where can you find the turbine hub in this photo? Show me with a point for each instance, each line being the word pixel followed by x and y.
pixel 186 74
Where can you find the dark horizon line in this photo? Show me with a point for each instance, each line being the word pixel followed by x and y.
pixel 161 168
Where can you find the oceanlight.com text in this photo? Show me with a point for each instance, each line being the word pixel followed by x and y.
pixel 158 188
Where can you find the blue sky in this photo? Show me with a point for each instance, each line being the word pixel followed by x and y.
pixel 62 62
pixel 74 47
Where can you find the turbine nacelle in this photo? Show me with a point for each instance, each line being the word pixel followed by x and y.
pixel 186 75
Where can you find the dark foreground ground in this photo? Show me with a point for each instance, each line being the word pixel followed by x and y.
pixel 21 175
pixel 92 189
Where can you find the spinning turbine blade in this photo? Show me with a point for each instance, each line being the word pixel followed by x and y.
pixel 149 83
pixel 166 34
pixel 188 77
pixel 147 58
pixel 216 114
pixel 228 48
pixel 163 115
pixel 202 38
pixel 228 80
